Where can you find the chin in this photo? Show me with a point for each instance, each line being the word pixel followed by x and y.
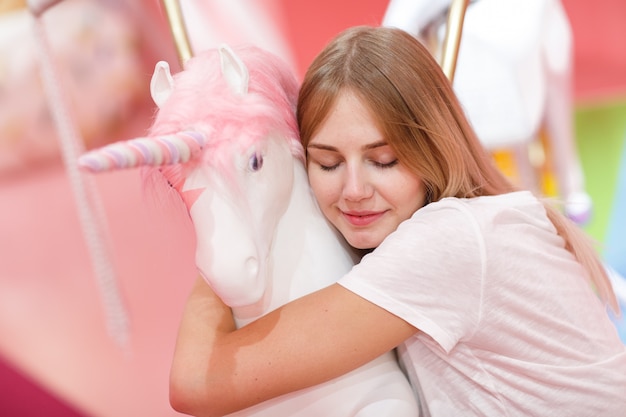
pixel 363 244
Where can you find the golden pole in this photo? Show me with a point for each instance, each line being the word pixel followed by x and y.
pixel 452 40
pixel 178 29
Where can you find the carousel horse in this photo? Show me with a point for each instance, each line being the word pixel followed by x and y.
pixel 225 138
pixel 513 77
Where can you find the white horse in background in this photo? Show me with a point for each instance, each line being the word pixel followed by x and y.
pixel 513 77
pixel 226 139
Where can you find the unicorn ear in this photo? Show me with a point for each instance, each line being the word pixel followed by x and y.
pixel 234 70
pixel 161 84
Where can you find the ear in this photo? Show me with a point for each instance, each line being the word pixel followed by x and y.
pixel 161 84
pixel 234 70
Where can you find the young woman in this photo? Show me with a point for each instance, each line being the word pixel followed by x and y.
pixel 488 294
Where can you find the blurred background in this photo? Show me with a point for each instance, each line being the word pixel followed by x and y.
pixel 56 354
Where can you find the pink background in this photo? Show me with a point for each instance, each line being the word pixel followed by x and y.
pixel 52 329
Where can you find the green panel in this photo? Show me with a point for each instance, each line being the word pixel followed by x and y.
pixel 600 132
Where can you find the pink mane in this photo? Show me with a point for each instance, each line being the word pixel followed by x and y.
pixel 202 101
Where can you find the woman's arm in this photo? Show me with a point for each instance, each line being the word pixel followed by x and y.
pixel 217 369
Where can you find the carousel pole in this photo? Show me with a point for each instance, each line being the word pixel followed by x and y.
pixel 178 29
pixel 452 40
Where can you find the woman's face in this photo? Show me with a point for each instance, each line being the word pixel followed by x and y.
pixel 359 183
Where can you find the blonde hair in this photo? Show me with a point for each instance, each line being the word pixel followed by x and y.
pixel 417 111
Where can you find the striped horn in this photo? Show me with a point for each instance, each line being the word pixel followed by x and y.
pixel 157 150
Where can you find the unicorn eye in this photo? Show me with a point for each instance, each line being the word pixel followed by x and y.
pixel 256 162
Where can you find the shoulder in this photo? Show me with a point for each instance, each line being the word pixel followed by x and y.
pixel 488 206
pixel 438 233
pixel 486 212
pixel 440 220
pixel 461 231
pixel 459 224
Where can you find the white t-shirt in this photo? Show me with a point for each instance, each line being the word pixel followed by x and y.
pixel 509 324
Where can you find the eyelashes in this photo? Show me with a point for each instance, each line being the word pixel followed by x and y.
pixel 328 168
pixel 386 165
pixel 380 165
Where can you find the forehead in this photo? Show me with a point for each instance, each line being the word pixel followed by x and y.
pixel 348 122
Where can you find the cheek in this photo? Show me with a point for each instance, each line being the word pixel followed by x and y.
pixel 321 188
pixel 321 195
pixel 410 195
pixel 418 200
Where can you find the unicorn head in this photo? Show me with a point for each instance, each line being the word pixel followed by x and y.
pixel 225 137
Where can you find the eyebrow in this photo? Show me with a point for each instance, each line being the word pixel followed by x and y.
pixel 369 146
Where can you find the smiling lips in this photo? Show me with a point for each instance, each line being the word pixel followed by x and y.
pixel 362 218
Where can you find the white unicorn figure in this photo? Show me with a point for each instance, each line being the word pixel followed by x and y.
pixel 226 139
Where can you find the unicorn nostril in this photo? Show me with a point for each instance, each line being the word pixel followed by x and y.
pixel 252 266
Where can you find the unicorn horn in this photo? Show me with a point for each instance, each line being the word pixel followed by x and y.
pixel 152 150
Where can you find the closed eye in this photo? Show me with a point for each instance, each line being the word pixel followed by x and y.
pixel 328 168
pixel 386 165
pixel 381 165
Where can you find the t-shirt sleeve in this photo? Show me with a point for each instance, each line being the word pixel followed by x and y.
pixel 429 272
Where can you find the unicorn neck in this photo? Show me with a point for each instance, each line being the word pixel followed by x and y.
pixel 307 253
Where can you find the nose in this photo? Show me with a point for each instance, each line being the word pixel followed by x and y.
pixel 357 185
